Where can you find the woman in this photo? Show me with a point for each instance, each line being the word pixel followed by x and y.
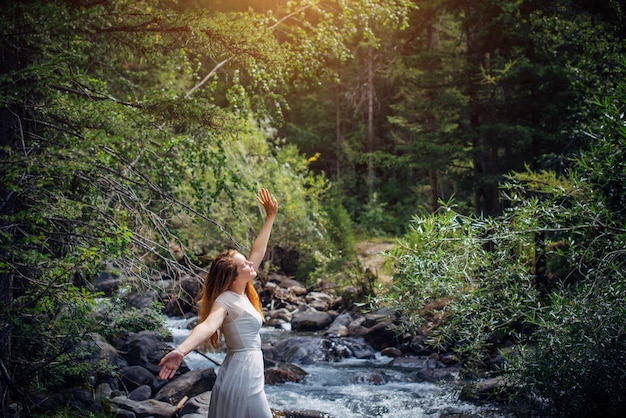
pixel 230 305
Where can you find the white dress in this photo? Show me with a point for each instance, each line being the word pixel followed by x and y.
pixel 239 389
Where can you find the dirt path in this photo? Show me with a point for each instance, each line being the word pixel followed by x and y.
pixel 368 253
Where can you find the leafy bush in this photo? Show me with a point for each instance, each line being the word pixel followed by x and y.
pixel 579 351
pixel 546 278
pixel 117 317
pixel 464 279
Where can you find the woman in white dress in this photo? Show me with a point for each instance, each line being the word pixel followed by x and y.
pixel 230 306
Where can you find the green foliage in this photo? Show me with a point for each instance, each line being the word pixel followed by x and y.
pixel 578 359
pixel 546 277
pixel 465 278
pixel 125 125
pixel 340 229
pixel 118 318
pixel 372 218
pixel 64 318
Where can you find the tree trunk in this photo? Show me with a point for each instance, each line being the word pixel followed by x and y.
pixel 433 122
pixel 338 137
pixel 370 119
pixel 7 121
pixel 482 114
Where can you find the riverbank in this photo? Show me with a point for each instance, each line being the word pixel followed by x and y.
pixel 323 357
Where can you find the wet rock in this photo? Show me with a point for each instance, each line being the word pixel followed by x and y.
pixel 144 349
pixel 339 327
pixel 391 352
pixel 310 321
pixel 193 383
pixel 141 409
pixel 134 376
pixel 196 407
pixel 311 350
pixel 356 328
pixel 487 390
pixel 282 314
pixel 300 350
pixel 141 393
pixel 381 335
pixel 277 372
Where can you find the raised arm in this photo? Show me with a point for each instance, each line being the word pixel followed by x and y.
pixel 259 246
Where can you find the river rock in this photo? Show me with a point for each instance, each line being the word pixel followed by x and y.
pixel 134 376
pixel 108 281
pixel 356 328
pixel 142 300
pixel 196 407
pixel 383 315
pixel 103 390
pixel 190 384
pixel 284 281
pixel 382 335
pixel 310 321
pixel 145 349
pixel 418 346
pixel 103 352
pixel 391 352
pixel 141 393
pixel 280 372
pixel 282 314
pixel 311 350
pixel 339 327
pixel 141 409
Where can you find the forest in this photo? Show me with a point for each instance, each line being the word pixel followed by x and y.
pixel 485 138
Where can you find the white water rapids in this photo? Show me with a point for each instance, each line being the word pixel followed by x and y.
pixel 330 387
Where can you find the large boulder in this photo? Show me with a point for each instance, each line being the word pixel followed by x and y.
pixel 190 384
pixel 310 321
pixel 144 348
pixel 280 372
pixel 122 406
pixel 196 407
pixel 311 350
pixel 339 327
pixel 134 376
pixel 382 335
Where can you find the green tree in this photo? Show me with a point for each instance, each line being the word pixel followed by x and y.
pixel 472 282
pixel 121 117
pixel 532 68
pixel 426 109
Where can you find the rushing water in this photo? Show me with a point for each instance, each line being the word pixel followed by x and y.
pixel 331 387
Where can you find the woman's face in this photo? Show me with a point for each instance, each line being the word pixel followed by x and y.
pixel 245 268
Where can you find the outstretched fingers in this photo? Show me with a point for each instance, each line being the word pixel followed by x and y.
pixel 269 203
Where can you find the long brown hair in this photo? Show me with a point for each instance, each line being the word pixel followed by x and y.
pixel 222 273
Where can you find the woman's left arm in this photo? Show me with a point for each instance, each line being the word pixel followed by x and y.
pixel 259 246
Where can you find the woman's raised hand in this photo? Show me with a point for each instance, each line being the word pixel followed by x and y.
pixel 269 203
